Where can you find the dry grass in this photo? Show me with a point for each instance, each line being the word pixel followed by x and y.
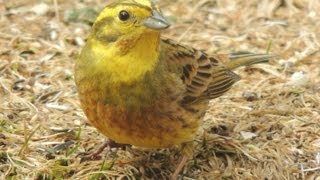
pixel 266 127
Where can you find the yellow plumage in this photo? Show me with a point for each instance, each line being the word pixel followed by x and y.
pixel 139 89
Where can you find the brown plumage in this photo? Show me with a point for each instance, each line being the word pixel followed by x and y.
pixel 139 89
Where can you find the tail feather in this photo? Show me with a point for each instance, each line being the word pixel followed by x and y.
pixel 246 58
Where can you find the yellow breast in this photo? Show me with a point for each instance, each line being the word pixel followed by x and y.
pixel 150 127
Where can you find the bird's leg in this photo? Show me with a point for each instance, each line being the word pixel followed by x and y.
pixel 187 151
pixel 180 167
pixel 108 143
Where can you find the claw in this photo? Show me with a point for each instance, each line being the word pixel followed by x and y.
pixel 108 143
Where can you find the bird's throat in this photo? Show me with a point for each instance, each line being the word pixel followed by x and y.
pixel 126 73
pixel 131 58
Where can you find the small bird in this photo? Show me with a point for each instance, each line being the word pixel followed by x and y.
pixel 140 89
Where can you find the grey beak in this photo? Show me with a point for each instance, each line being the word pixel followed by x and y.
pixel 156 21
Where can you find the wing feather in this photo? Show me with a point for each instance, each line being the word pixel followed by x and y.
pixel 204 76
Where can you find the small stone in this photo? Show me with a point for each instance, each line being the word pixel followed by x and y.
pixel 40 9
pixel 299 79
pixel 250 96
pixel 248 135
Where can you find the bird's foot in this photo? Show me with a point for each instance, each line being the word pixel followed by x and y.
pixel 179 168
pixel 95 155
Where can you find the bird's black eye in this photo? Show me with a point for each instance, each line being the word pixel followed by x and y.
pixel 124 15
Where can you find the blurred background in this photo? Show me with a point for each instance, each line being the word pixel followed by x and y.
pixel 266 127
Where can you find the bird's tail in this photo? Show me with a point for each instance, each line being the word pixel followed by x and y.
pixel 246 58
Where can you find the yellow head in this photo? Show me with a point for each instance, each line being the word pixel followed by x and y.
pixel 125 19
pixel 123 44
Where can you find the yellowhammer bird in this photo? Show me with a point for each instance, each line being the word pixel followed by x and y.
pixel 137 88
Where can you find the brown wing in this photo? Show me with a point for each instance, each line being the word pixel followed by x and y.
pixel 204 76
pixel 222 80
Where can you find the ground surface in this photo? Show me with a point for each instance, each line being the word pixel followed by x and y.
pixel 266 127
